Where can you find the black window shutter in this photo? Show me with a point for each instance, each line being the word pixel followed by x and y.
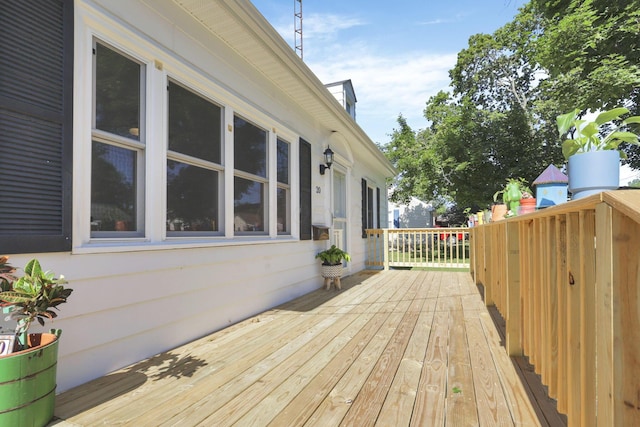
pixel 364 208
pixel 305 190
pixel 378 206
pixel 36 66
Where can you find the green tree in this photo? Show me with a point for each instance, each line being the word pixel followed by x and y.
pixel 412 154
pixel 635 183
pixel 591 50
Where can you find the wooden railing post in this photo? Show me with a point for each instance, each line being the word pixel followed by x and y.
pixel 385 248
pixel 607 395
pixel 513 315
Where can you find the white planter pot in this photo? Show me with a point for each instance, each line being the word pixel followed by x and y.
pixel 331 271
pixel 593 172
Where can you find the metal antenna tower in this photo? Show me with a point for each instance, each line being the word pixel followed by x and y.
pixel 297 24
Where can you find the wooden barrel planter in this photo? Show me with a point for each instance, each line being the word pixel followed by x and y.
pixel 28 383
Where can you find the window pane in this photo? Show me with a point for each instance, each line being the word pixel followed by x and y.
pixel 194 124
pixel 339 195
pixel 117 93
pixel 192 198
pixel 283 162
pixel 370 208
pixel 249 205
pixel 283 211
pixel 113 190
pixel 250 148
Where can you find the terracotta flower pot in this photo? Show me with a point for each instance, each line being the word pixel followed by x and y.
pixel 498 212
pixel 527 205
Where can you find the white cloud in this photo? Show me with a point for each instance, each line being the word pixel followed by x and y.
pixel 320 26
pixel 436 22
pixel 386 85
pixel 327 26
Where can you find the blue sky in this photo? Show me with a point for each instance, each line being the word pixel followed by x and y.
pixel 396 53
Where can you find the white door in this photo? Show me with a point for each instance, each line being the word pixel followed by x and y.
pixel 339 235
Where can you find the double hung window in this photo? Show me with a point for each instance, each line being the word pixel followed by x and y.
pixel 284 189
pixel 250 179
pixel 193 163
pixel 118 147
pixel 139 185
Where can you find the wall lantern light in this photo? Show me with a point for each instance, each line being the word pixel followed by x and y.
pixel 328 160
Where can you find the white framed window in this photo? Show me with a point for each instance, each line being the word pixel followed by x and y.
pixel 283 155
pixel 251 179
pixel 174 159
pixel 194 163
pixel 118 144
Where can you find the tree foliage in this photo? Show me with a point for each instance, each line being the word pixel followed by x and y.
pixel 591 49
pixel 508 88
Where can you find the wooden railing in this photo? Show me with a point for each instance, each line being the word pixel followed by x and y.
pixel 418 247
pixel 567 281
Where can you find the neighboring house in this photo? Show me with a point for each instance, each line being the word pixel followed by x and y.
pixel 415 214
pixel 164 156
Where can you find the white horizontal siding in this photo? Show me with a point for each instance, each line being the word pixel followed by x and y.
pixel 130 305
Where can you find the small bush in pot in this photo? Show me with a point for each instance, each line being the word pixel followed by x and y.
pixel 514 190
pixel 592 149
pixel 28 373
pixel 589 136
pixel 333 256
pixel 32 296
pixel 331 268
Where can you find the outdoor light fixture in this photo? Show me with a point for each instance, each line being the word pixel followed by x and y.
pixel 328 160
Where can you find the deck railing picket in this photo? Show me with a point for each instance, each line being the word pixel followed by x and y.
pixel 566 281
pixel 447 248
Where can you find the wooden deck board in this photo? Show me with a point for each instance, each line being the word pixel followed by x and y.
pixel 400 348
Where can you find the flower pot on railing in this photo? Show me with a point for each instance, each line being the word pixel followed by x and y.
pixel 498 212
pixel 527 206
pixel 593 172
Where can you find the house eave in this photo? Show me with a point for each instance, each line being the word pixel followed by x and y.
pixel 241 26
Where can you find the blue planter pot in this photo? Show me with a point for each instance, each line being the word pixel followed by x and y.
pixel 593 172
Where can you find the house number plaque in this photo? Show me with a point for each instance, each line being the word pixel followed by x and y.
pixel 6 344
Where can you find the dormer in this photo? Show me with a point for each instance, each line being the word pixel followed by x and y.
pixel 346 96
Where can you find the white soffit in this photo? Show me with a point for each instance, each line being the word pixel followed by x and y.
pixel 241 26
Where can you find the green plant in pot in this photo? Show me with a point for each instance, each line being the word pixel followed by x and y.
pixel 333 256
pixel 32 297
pixel 331 267
pixel 28 374
pixel 592 149
pixel 512 193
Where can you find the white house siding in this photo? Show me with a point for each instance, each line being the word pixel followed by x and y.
pixel 135 298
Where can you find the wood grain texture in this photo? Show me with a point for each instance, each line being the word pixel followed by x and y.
pixel 401 348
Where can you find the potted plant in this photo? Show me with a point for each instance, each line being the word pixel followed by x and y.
pixel 331 268
pixel 28 370
pixel 512 193
pixel 591 149
pixel 527 202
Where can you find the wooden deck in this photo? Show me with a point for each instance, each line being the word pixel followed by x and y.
pixel 393 348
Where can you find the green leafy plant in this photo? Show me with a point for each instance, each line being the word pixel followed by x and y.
pixel 33 296
pixel 515 190
pixel 590 135
pixel 6 274
pixel 333 256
